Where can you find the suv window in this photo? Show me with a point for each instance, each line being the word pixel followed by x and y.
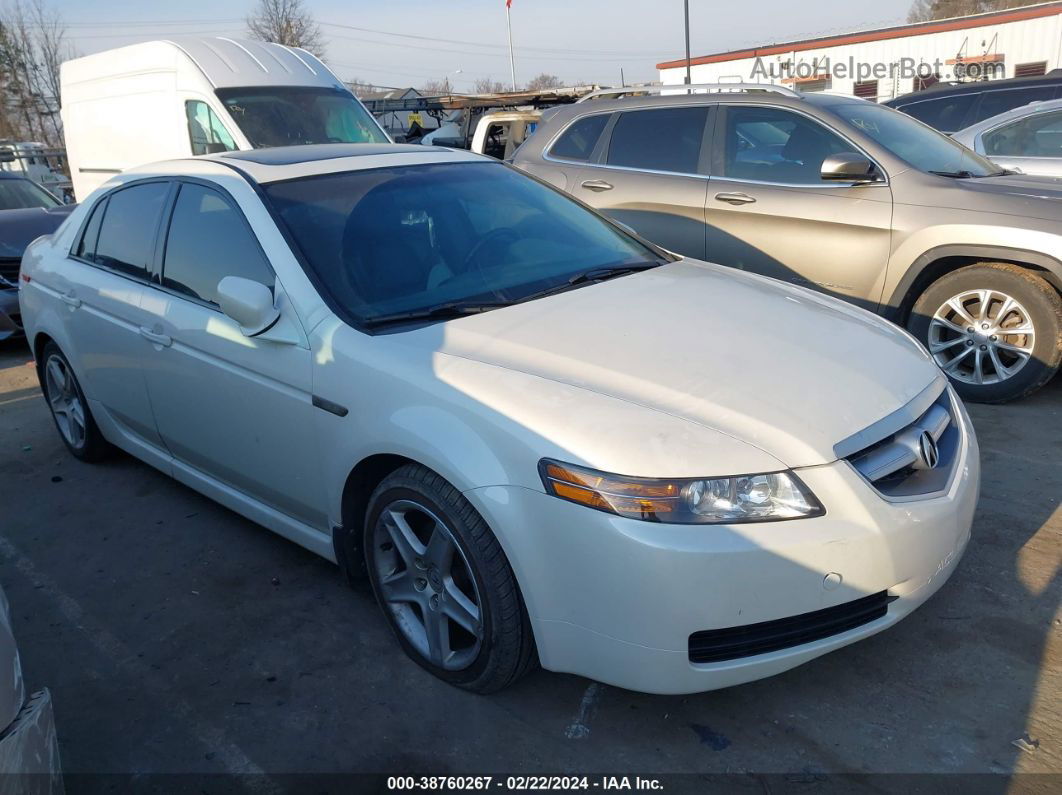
pixel 579 140
pixel 208 240
pixel 776 145
pixel 663 139
pixel 1039 135
pixel 205 130
pixel 946 114
pixel 1002 100
pixel 127 231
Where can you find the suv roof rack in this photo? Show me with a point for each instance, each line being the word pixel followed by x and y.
pixel 705 87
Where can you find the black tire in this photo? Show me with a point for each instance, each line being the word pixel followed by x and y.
pixel 1036 298
pixel 89 446
pixel 503 648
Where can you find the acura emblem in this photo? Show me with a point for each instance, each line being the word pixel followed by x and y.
pixel 928 454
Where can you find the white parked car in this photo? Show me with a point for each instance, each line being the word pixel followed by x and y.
pixel 1027 139
pixel 542 438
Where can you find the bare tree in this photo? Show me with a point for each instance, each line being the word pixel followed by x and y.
pixel 286 22
pixel 486 85
pixel 436 87
pixel 544 81
pixel 925 10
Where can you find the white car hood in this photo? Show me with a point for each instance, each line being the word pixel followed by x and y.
pixel 782 368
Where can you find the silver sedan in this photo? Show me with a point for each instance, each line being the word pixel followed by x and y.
pixel 1026 139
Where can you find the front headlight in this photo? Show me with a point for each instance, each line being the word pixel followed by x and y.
pixel 769 497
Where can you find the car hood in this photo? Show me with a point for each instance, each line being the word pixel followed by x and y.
pixel 782 368
pixel 19 228
pixel 1017 194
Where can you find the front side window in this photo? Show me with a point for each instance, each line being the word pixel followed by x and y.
pixel 1039 135
pixel 579 140
pixel 127 233
pixel 205 130
pixel 776 145
pixel 665 139
pixel 922 147
pixel 208 240
pixel 291 116
pixel 407 239
pixel 19 194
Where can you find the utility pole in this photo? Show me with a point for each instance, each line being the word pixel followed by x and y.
pixel 686 3
pixel 509 25
pixel 623 82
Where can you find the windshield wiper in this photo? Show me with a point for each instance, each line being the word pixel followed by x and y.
pixel 601 274
pixel 440 312
pixel 955 174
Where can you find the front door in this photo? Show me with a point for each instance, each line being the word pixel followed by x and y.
pixel 236 408
pixel 770 212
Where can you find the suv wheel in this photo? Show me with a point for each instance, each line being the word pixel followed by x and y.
pixel 444 583
pixel 995 329
pixel 69 408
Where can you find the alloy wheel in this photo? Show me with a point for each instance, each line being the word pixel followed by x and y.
pixel 64 399
pixel 425 581
pixel 981 337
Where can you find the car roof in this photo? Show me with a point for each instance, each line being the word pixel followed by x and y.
pixel 12 175
pixel 291 162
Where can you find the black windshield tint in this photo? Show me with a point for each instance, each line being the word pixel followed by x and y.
pixel 407 239
pixel 18 194
pixel 293 116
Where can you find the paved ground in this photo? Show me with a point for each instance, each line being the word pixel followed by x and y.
pixel 178 637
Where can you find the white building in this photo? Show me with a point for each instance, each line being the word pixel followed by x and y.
pixel 888 62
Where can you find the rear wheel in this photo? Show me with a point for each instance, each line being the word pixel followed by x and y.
pixel 995 329
pixel 70 410
pixel 444 583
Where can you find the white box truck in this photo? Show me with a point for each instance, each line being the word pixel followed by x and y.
pixel 191 96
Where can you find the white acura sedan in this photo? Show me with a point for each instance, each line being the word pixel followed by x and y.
pixel 541 438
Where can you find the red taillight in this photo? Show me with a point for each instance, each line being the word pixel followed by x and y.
pixel 25 277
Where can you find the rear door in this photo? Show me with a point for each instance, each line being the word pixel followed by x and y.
pixel 651 174
pixel 769 211
pixel 563 158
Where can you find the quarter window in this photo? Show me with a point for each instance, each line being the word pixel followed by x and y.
pixel 205 130
pixel 1039 135
pixel 208 240
pixel 775 145
pixel 86 247
pixel 127 232
pixel 666 139
pixel 579 140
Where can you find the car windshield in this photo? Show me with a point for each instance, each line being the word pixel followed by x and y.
pixel 18 194
pixel 293 116
pixel 910 140
pixel 409 239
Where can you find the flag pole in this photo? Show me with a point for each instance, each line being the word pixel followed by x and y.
pixel 512 61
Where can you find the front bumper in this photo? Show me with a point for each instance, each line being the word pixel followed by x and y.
pixel 617 599
pixel 29 750
pixel 10 317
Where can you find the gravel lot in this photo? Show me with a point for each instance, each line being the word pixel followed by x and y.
pixel 177 637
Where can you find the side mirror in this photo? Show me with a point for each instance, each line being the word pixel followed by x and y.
pixel 247 302
pixel 849 167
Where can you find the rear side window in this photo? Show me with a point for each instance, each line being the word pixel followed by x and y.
pixel 579 140
pixel 996 102
pixel 86 247
pixel 946 114
pixel 127 232
pixel 208 240
pixel 665 139
pixel 1039 135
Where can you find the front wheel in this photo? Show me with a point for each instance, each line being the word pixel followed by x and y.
pixel 995 329
pixel 445 586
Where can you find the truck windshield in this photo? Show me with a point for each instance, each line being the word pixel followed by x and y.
pixel 910 140
pixel 425 239
pixel 279 116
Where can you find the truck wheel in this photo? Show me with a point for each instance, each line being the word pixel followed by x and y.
pixel 995 329
pixel 70 410
pixel 444 583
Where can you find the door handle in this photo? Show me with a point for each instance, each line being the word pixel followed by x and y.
pixel 734 198
pixel 70 300
pixel 156 337
pixel 597 185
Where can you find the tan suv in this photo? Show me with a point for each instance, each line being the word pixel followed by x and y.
pixel 838 194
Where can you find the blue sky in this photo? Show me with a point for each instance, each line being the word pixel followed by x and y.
pixel 578 40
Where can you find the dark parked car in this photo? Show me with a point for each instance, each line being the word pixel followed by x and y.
pixel 27 211
pixel 951 107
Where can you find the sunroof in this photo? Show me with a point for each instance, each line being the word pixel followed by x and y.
pixel 289 155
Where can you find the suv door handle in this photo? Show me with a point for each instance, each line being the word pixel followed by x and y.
pixel 156 337
pixel 70 300
pixel 734 198
pixel 597 185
